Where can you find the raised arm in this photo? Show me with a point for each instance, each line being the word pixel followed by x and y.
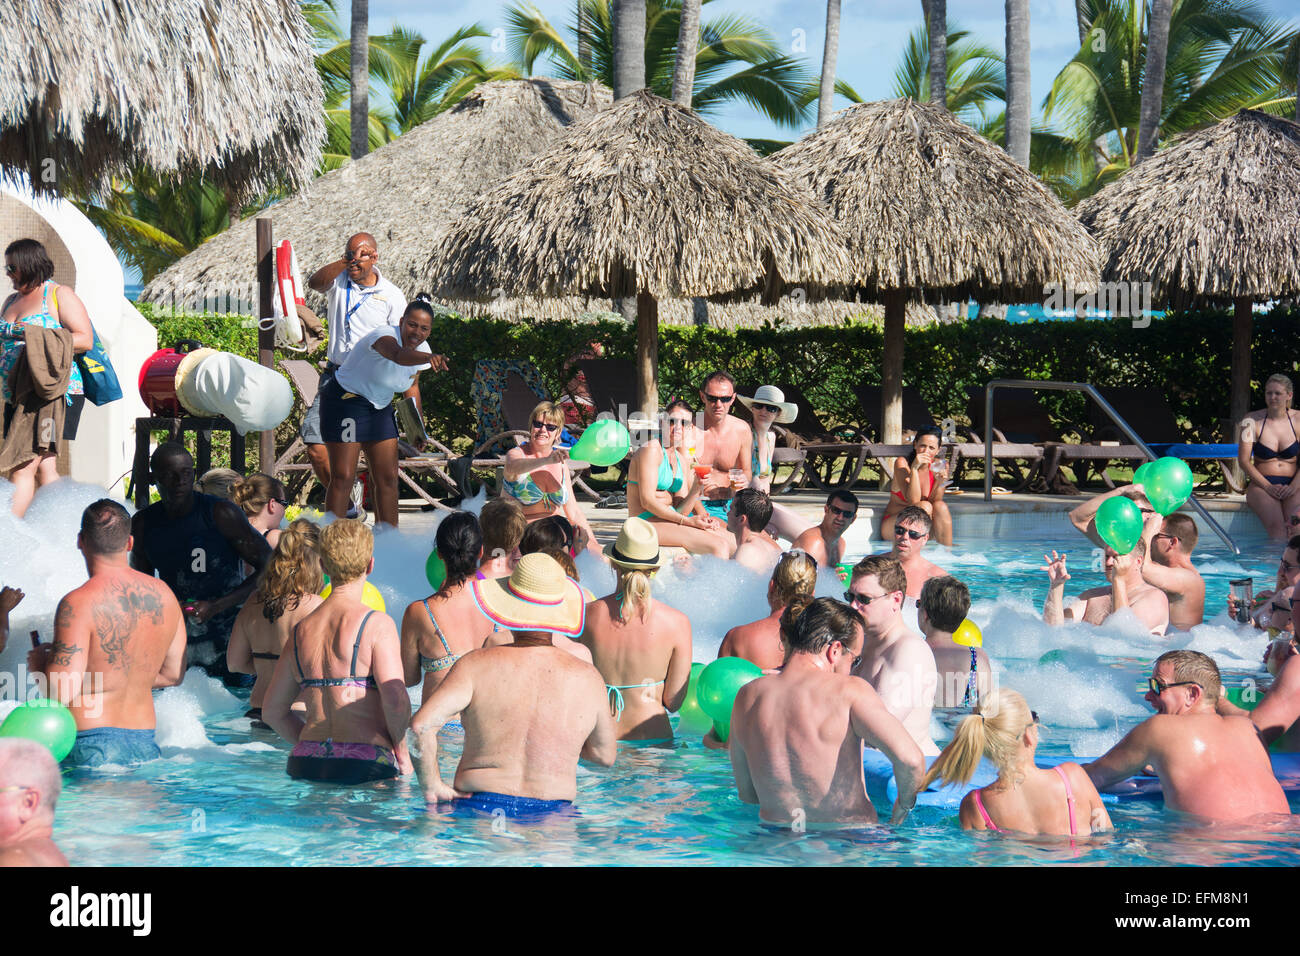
pixel 9 599
pixel 1054 610
pixel 880 729
pixel 246 542
pixel 324 277
pixel 1084 516
pixel 390 348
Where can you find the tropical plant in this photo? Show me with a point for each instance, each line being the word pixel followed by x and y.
pixel 1018 122
pixel 738 60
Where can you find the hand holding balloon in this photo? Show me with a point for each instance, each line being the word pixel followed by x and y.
pixel 1119 524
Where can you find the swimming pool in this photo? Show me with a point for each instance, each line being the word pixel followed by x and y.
pixel 221 797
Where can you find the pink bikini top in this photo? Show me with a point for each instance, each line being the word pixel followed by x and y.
pixel 1069 800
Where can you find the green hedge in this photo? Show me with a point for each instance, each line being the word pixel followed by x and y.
pixel 1188 355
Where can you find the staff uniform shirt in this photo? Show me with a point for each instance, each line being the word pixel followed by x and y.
pixel 355 310
pixel 367 373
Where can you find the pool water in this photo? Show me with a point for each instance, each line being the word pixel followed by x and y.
pixel 221 797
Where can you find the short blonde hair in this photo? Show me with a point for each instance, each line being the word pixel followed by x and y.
pixel 1281 380
pixel 346 547
pixel 548 412
pixel 1193 667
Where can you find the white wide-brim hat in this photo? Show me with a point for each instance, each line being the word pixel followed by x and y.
pixel 771 395
pixel 536 597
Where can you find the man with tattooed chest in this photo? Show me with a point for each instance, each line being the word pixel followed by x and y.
pixel 116 638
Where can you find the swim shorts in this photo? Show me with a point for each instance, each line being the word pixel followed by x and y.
pixel 488 803
pixel 115 745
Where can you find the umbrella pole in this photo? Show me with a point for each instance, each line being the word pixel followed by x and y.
pixel 265 337
pixel 891 392
pixel 647 353
pixel 1242 323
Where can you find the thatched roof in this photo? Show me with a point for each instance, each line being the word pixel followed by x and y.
pixel 1215 216
pixel 929 206
pixel 179 86
pixel 404 192
pixel 648 197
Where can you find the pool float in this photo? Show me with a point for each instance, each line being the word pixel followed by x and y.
pixel 879 774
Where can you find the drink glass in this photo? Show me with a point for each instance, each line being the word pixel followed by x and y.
pixel 1242 593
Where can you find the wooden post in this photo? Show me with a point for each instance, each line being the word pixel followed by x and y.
pixel 891 391
pixel 265 337
pixel 647 353
pixel 1242 325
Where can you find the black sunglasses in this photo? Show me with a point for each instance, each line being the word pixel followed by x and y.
pixel 764 407
pixel 853 597
pixel 857 658
pixel 283 503
pixel 10 270
pixel 721 399
pixel 842 512
pixel 350 256
pixel 546 425
pixel 1156 687
pixel 914 535
pixel 683 422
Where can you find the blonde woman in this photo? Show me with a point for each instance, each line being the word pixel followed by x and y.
pixel 264 500
pixel 641 646
pixel 793 579
pixel 536 474
pixel 1058 801
pixel 1268 449
pixel 290 590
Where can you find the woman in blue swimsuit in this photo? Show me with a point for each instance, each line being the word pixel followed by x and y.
pixel 1267 448
pixel 663 488
pixel 536 474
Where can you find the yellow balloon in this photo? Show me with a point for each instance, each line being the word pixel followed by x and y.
pixel 370 596
pixel 968 634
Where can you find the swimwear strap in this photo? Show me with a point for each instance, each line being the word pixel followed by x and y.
pixel 616 702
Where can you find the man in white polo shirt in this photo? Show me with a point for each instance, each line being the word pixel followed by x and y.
pixel 360 300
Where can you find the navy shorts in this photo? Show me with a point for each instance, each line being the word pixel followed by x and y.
pixel 353 419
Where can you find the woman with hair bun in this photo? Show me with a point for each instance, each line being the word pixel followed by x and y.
pixel 290 590
pixel 264 501
pixel 793 579
pixel 442 628
pixel 1056 801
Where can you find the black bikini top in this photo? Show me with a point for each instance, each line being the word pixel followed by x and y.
pixel 1289 453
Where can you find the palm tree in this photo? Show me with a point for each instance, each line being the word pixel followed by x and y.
pixel 629 46
pixel 772 83
pixel 1017 62
pixel 1222 55
pixel 975 84
pixel 1153 79
pixel 360 75
pixel 830 52
pixel 936 21
pixel 688 42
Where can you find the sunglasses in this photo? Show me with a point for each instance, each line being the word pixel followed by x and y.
pixel 282 501
pixel 914 535
pixel 10 270
pixel 1288 566
pixel 682 422
pixel 720 399
pixel 1161 534
pixel 856 660
pixel 1157 687
pixel 853 597
pixel 842 512
pixel 763 407
pixel 350 256
pixel 1294 519
pixel 545 426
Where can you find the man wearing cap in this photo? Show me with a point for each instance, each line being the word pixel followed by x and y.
pixel 724 444
pixel 530 710
pixel 359 301
pixel 642 647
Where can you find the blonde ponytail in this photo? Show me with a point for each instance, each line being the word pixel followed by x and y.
pixel 993 730
pixel 633 593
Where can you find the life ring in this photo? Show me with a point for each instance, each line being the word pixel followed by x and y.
pixel 289 287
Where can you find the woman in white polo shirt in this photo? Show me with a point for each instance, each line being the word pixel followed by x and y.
pixel 356 407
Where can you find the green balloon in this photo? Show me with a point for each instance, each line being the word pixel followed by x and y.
pixel 690 717
pixel 435 569
pixel 1143 472
pixel 1168 484
pixel 719 683
pixel 604 443
pixel 45 721
pixel 1119 524
pixel 722 729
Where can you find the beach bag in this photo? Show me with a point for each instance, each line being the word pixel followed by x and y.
pixel 98 379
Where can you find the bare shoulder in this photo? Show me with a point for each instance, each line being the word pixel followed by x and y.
pixel 933 570
pixel 1088 595
pixel 738 426
pixel 672 616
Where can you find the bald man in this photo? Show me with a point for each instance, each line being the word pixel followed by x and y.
pixel 29 789
pixel 360 300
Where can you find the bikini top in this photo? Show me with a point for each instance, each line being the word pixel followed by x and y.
pixel 1289 453
pixel 352 680
pixel 527 493
pixel 669 479
pixel 429 664
pixel 1069 801
pixel 759 470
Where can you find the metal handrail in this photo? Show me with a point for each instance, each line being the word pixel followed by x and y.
pixel 1105 406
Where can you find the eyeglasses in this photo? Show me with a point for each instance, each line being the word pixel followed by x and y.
pixel 853 597
pixel 1157 687
pixel 914 535
pixel 1294 519
pixel 545 426
pixel 679 422
pixel 283 503
pixel 15 787
pixel 1288 566
pixel 857 658
pixel 763 407
pixel 1161 534
pixel 842 512
pixel 720 399
pixel 350 256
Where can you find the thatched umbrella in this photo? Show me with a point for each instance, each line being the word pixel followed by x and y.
pixel 404 192
pixel 90 90
pixel 1215 217
pixel 643 199
pixel 930 207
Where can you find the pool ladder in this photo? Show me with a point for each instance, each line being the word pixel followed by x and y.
pixel 1105 407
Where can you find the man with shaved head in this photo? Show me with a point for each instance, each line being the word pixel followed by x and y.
pixel 29 789
pixel 360 300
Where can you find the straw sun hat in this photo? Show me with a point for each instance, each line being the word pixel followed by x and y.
pixel 771 395
pixel 536 597
pixel 637 547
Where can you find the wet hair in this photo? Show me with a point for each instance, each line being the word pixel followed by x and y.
pixel 503 524
pixel 459 541
pixel 717 376
pixel 932 430
pixel 545 534
pixel 794 576
pixel 26 763
pixel 753 505
pixel 994 730
pixel 1195 667
pixel 888 571
pixel 914 514
pixel 293 571
pixel 220 482
pixel 346 547
pixel 548 412
pixel 254 492
pixel 1183 528
pixel 945 601
pixel 30 261
pixel 843 495
pixel 105 527
pixel 168 450
pixel 1281 380
pixel 809 626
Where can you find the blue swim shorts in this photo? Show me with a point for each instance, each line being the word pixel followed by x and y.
pixel 718 507
pixel 115 745
pixel 487 803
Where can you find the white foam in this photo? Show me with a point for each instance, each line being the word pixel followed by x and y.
pixel 180 710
